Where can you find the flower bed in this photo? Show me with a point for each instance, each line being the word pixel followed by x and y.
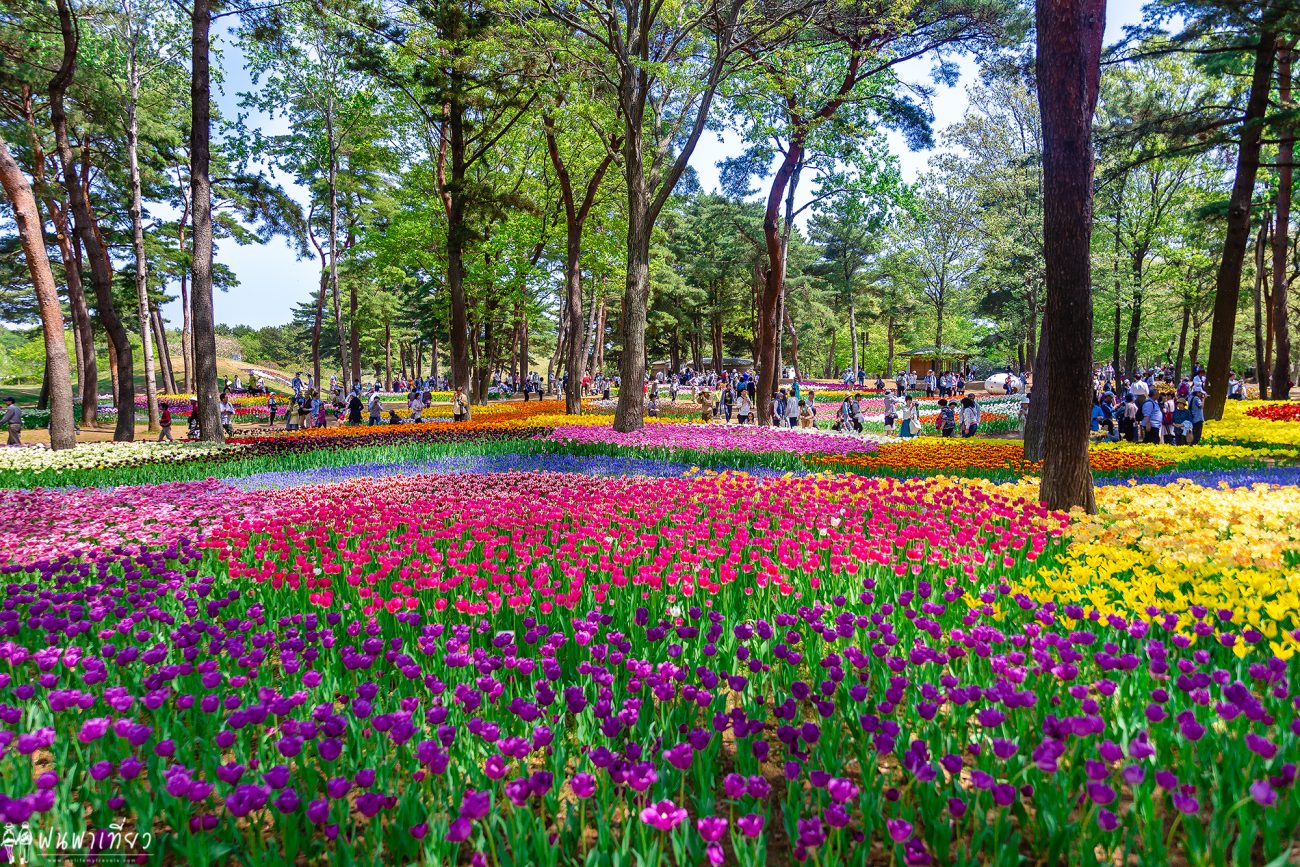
pixel 1252 423
pixel 548 667
pixel 1222 561
pixel 669 440
pixel 1280 411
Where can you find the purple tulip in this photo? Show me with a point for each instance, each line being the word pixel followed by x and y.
pixel 287 801
pixel 1263 793
pixel 663 816
pixel 679 756
pixel 751 824
pixel 841 790
pixel 1186 803
pixel 1134 775
pixel 899 829
pixel 459 830
pixel 711 828
pixel 583 785
pixel 1100 793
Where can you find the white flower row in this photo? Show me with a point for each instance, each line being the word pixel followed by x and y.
pixel 90 456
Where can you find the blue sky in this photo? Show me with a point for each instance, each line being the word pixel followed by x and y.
pixel 272 280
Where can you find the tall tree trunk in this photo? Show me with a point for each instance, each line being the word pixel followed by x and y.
pixel 853 339
pixel 1182 340
pixel 82 327
pixel 938 330
pixel 598 351
pixel 1261 279
pixel 556 362
pixel 354 336
pixel 457 232
pixel 715 328
pixel 137 213
pixel 164 351
pixel 1134 324
pixel 417 350
pixel 1119 317
pixel 1119 291
pixel 573 321
pixel 630 413
pixel 388 355
pixel 770 314
pixel 43 398
pixel 332 181
pixel 83 337
pixel 187 315
pixel 575 216
pixel 205 338
pixel 891 324
pixel 101 274
pixel 433 355
pixel 794 343
pixel 1069 73
pixel 112 378
pixel 31 235
pixel 830 357
pixel 1035 435
pixel 589 333
pixel 317 325
pixel 1227 291
pixel 523 346
pixel 1031 335
pixel 1280 387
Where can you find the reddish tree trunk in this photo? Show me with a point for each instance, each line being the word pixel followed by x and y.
pixel 1227 290
pixel 1069 73
pixel 1280 386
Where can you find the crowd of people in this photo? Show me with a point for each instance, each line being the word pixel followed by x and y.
pixel 1153 406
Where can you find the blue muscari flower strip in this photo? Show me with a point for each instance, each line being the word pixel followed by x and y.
pixel 1285 476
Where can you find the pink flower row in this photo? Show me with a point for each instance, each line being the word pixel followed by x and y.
pixel 723 437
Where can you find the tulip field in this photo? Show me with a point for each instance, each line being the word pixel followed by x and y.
pixel 531 640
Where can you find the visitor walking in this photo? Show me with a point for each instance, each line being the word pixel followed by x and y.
pixel 227 411
pixel 165 423
pixel 947 420
pixel 13 422
pixel 354 408
pixel 376 408
pixel 459 405
pixel 743 407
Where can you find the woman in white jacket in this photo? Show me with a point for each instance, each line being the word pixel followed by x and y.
pixel 970 416
pixel 910 423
